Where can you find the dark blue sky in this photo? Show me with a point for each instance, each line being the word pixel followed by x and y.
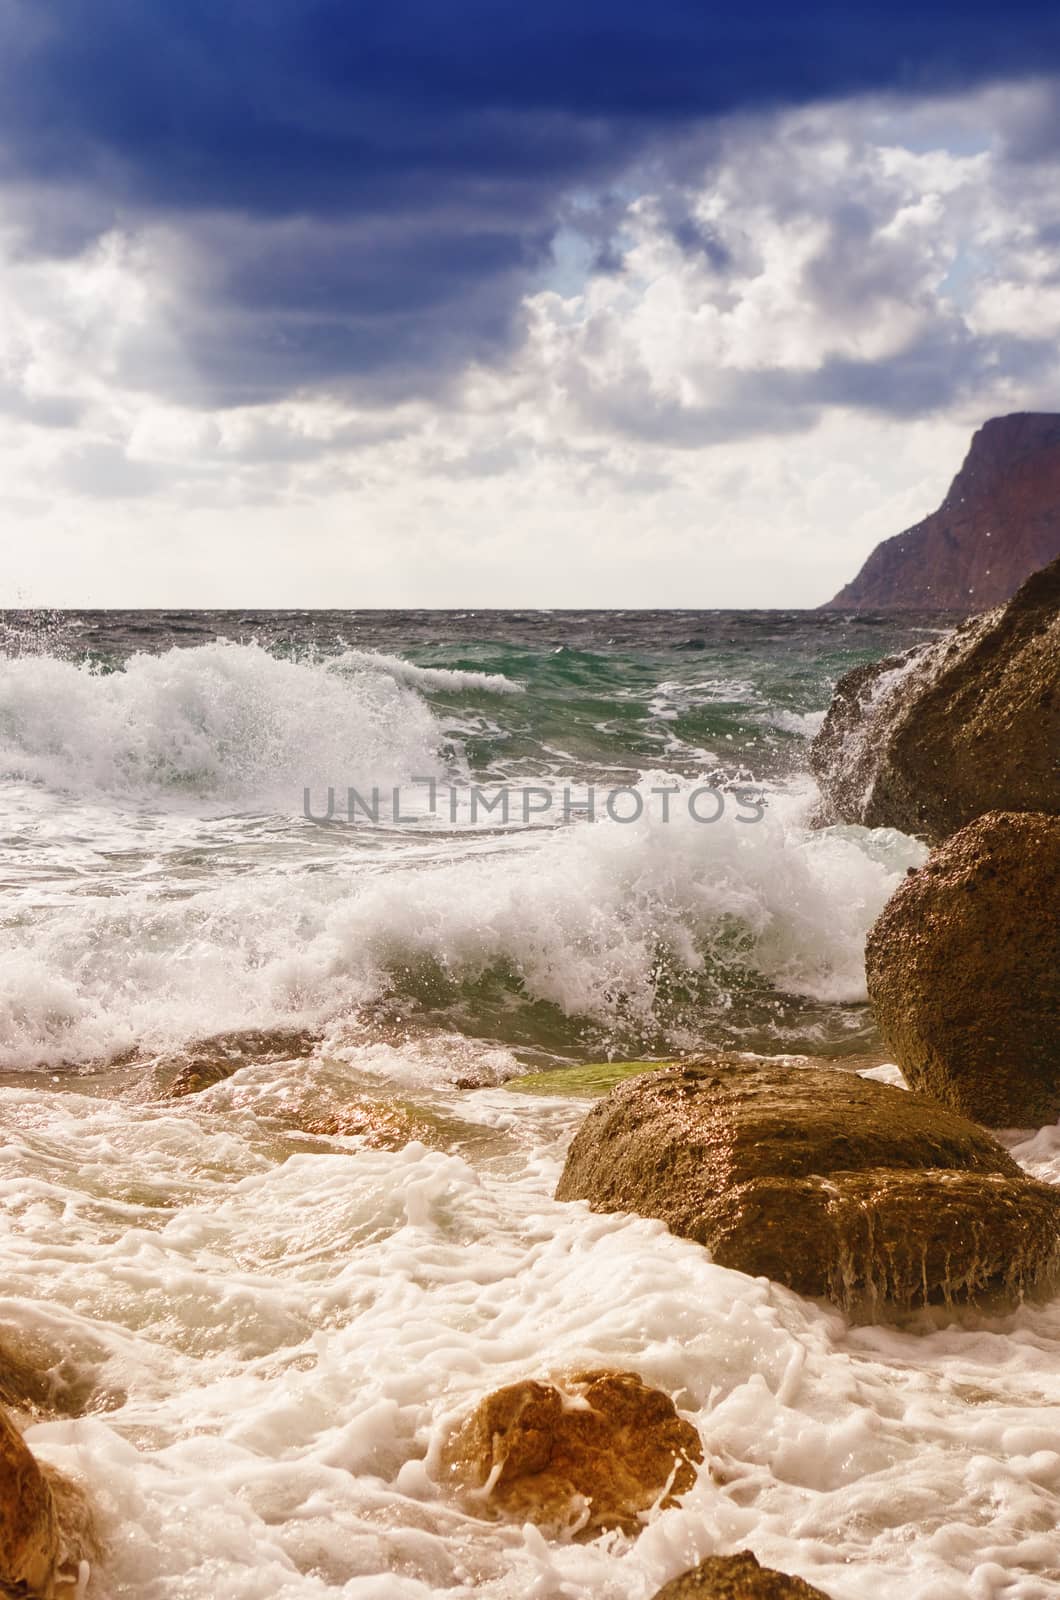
pixel 422 152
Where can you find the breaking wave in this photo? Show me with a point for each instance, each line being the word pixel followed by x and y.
pixel 221 722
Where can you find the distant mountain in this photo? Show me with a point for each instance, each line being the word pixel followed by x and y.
pixel 999 523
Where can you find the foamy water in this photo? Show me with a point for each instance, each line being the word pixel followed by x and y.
pixel 286 1341
pixel 276 1331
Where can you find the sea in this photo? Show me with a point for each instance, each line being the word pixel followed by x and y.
pixel 453 851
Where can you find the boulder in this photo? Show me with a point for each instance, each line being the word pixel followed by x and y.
pixel 45 1531
pixel 963 969
pixel 594 1454
pixel 928 741
pixel 737 1577
pixel 833 1184
pixel 29 1528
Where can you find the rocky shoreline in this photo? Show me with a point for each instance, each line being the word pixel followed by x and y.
pixel 870 1197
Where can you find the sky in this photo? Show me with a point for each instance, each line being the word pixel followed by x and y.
pixel 340 303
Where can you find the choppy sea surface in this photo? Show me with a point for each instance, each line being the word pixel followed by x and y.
pixel 274 1330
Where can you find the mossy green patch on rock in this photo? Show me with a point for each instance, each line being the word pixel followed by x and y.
pixel 588 1081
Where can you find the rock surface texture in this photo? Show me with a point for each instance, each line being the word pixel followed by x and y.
pixel 591 1455
pixel 963 969
pixel 928 741
pixel 737 1577
pixel 999 523
pixel 833 1184
pixel 44 1525
pixel 213 1060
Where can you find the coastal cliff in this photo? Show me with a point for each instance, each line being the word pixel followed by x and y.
pixel 999 523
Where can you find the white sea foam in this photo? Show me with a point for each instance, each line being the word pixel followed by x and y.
pixel 221 722
pixel 803 723
pixel 450 679
pixel 589 918
pixel 285 1343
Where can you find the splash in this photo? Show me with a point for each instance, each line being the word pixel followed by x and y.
pixel 219 722
pixel 644 931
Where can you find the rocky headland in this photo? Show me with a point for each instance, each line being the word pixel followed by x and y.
pixel 999 522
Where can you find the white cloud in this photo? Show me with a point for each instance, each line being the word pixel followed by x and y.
pixel 785 370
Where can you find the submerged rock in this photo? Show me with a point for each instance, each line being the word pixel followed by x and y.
pixel 380 1124
pixel 45 1529
pixel 737 1577
pixel 212 1060
pixel 319 1100
pixel 591 1455
pixel 40 1379
pixel 963 969
pixel 23 1386
pixel 833 1184
pixel 928 741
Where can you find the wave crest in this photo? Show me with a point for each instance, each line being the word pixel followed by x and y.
pixel 222 722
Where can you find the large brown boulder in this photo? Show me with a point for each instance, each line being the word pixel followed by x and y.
pixel 830 1183
pixel 963 969
pixel 737 1577
pixel 928 741
pixel 595 1454
pixel 45 1531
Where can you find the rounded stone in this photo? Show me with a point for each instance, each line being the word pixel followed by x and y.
pixel 963 970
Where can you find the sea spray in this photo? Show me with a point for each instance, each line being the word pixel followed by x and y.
pixel 641 932
pixel 220 723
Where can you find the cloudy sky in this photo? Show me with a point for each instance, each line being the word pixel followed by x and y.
pixel 341 302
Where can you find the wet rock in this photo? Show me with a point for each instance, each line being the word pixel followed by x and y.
pixel 320 1101
pixel 928 741
pixel 212 1060
pixel 963 969
pixel 591 1455
pixel 39 1379
pixel 737 1577
pixel 23 1387
pixel 832 1184
pixel 45 1527
pixel 381 1124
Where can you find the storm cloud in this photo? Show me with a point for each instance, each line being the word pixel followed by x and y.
pixel 362 194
